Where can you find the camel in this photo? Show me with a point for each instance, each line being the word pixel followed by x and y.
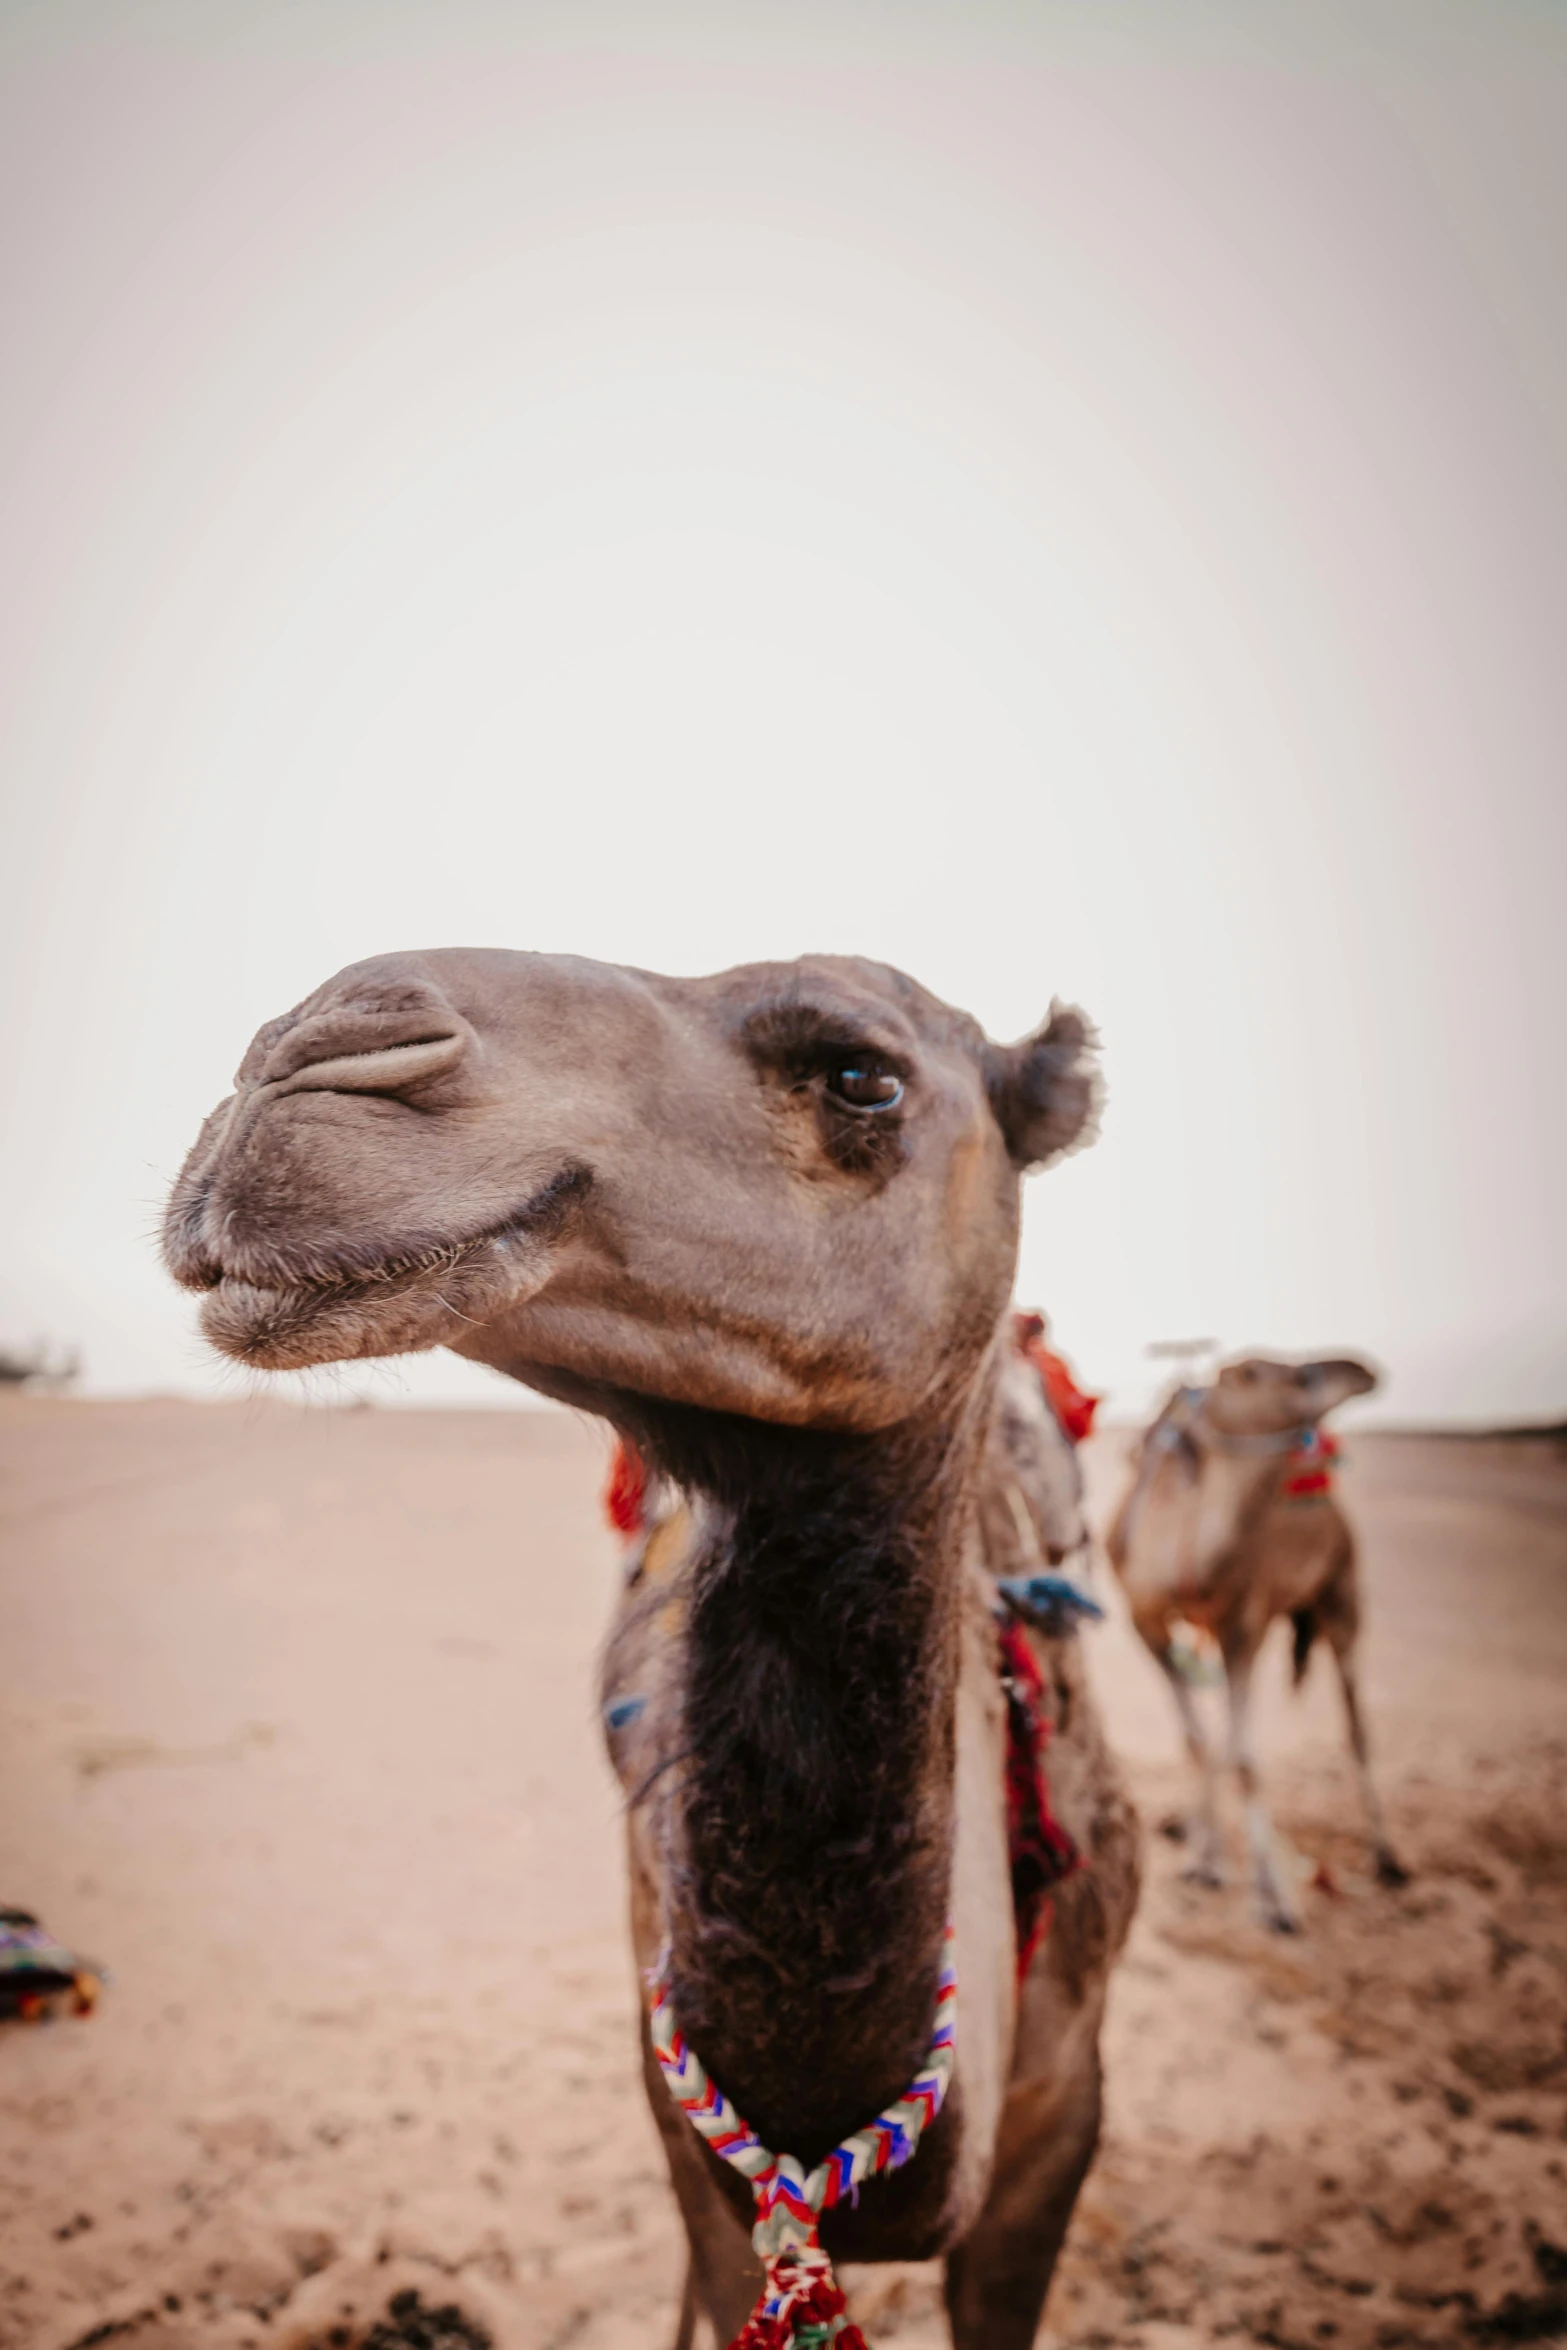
pixel 1218 1528
pixel 764 1224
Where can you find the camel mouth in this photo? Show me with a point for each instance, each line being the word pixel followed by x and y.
pixel 396 1301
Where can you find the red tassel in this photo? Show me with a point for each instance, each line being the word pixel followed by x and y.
pixel 625 1496
pixel 806 2296
pixel 1072 1405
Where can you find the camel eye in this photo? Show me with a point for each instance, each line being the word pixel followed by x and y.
pixel 860 1085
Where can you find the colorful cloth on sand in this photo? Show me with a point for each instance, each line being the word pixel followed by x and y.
pixel 802 2302
pixel 1039 1848
pixel 1308 1472
pixel 36 1971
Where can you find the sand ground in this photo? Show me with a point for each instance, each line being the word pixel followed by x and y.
pixel 297 1736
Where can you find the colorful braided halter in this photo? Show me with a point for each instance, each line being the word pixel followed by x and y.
pixel 802 2302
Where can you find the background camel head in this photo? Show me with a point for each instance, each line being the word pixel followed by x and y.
pixel 1256 1397
pixel 789 1191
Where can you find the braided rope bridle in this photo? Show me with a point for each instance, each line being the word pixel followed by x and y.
pixel 801 2302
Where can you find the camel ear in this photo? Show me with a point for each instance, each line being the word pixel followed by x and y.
pixel 1045 1091
pixel 1332 1383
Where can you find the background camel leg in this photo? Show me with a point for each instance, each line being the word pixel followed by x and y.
pixel 999 2276
pixel 1271 1874
pixel 1206 1863
pixel 1390 1870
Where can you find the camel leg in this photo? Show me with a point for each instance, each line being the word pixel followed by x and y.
pixel 1270 1874
pixel 685 2330
pixel 1206 1865
pixel 724 2276
pixel 1390 1870
pixel 999 2276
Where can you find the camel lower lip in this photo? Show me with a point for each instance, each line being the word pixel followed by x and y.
pixel 401 1306
pixel 283 1329
pixel 402 1309
pixel 291 1329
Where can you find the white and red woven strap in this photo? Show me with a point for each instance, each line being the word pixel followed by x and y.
pixel 789 2199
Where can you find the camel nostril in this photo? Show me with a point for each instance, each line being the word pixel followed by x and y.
pixel 384 1069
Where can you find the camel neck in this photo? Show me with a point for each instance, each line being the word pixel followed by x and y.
pixel 812 1831
pixel 1234 1491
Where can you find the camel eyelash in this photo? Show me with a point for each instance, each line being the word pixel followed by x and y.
pixel 801 1042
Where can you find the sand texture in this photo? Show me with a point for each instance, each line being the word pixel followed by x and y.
pixel 297 1736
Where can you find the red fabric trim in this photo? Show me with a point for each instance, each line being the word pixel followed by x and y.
pixel 1040 1850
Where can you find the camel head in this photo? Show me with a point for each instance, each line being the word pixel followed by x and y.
pixel 789 1191
pixel 1256 1397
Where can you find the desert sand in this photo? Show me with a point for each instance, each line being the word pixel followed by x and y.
pixel 297 1737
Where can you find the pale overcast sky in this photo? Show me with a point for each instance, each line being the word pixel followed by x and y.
pixel 1069 499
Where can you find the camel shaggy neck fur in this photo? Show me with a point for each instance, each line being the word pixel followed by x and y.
pixel 811 1846
pixel 765 1224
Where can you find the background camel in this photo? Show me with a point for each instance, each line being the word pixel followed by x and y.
pixel 1209 1532
pixel 766 1224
